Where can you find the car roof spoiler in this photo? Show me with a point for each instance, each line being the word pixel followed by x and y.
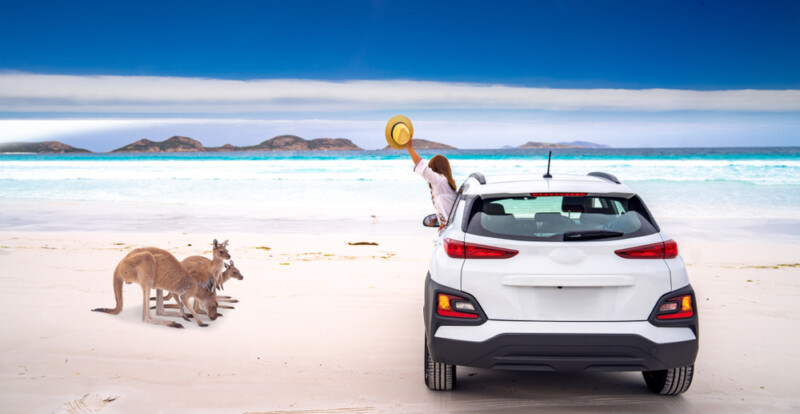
pixel 605 176
pixel 478 176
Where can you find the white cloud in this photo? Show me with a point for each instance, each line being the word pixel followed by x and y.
pixel 22 92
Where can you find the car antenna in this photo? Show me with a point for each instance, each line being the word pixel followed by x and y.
pixel 548 166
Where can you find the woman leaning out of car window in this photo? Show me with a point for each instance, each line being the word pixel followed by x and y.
pixel 440 180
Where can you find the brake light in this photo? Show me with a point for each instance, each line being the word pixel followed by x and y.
pixel 662 250
pixel 670 249
pixel 676 308
pixel 455 248
pixel 558 194
pixel 455 307
pixel 460 250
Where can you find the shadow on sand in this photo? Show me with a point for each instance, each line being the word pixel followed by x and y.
pixel 481 390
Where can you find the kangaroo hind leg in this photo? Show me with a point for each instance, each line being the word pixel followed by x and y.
pixel 146 275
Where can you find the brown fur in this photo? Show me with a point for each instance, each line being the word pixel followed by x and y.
pixel 219 253
pixel 154 268
pixel 198 266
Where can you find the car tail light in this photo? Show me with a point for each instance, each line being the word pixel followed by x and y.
pixel 558 194
pixel 455 248
pixel 662 250
pixel 679 307
pixel 460 250
pixel 455 307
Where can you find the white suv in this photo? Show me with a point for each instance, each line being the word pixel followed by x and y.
pixel 566 273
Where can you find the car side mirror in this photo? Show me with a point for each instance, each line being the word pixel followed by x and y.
pixel 430 221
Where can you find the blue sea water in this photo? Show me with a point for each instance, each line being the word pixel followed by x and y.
pixel 731 183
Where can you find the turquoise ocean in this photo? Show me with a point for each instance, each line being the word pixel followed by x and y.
pixel 275 191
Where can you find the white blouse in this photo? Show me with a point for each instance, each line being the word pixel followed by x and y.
pixel 442 195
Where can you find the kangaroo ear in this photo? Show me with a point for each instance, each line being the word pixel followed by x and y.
pixel 215 243
pixel 231 263
pixel 225 243
pixel 210 285
pixel 227 266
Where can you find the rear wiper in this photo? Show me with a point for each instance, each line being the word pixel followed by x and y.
pixel 590 235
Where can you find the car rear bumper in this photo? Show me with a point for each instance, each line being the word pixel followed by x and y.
pixel 564 352
pixel 556 346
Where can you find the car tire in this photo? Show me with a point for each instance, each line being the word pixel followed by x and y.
pixel 438 376
pixel 671 381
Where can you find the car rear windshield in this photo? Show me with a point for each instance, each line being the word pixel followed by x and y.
pixel 557 218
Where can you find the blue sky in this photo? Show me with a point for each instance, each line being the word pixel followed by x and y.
pixel 100 73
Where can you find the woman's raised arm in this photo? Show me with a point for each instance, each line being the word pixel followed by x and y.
pixel 414 156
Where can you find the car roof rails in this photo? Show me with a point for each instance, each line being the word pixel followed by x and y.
pixel 478 176
pixel 605 176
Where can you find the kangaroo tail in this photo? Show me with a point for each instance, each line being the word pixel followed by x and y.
pixel 117 295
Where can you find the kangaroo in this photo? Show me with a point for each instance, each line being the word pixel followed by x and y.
pixel 214 268
pixel 152 267
pixel 197 267
pixel 231 272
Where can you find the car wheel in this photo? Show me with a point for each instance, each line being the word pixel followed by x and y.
pixel 671 381
pixel 438 376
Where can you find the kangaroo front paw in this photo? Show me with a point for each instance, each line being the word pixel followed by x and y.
pixel 175 325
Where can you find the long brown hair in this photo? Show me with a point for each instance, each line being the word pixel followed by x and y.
pixel 441 165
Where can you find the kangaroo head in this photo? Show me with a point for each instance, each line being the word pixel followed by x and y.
pixel 221 250
pixel 208 298
pixel 231 272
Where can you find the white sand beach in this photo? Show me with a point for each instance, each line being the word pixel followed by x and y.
pixel 324 326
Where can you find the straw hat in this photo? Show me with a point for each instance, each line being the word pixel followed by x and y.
pixel 399 131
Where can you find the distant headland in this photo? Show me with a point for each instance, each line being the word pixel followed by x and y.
pixel 46 147
pixel 424 144
pixel 278 143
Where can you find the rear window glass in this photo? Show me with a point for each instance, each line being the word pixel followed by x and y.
pixel 556 218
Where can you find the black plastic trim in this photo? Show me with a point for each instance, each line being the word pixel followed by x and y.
pixel 605 176
pixel 433 321
pixel 452 214
pixel 565 352
pixel 634 202
pixel 692 322
pixel 469 204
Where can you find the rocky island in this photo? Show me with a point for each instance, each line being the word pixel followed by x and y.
pixel 550 145
pixel 544 145
pixel 46 147
pixel 295 143
pixel 171 144
pixel 585 144
pixel 279 143
pixel 424 144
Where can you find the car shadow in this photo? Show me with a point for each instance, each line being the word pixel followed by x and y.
pixel 483 390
